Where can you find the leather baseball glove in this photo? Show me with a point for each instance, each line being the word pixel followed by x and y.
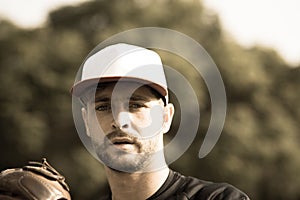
pixel 35 181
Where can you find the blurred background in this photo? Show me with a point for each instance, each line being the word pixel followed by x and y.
pixel 259 148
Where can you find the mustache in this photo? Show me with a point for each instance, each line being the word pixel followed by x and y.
pixel 114 136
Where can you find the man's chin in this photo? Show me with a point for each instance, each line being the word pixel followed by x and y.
pixel 124 171
pixel 124 162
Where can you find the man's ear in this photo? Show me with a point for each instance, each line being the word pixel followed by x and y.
pixel 168 117
pixel 84 117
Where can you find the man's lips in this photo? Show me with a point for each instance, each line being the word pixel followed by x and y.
pixel 125 144
pixel 121 140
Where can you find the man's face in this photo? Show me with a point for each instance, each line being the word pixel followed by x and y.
pixel 126 122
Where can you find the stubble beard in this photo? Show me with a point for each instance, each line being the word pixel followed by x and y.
pixel 123 161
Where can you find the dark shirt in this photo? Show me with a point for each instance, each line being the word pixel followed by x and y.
pixel 179 187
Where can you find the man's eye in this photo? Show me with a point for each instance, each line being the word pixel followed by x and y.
pixel 136 105
pixel 103 107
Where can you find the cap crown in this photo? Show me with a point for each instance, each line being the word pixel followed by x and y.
pixel 123 62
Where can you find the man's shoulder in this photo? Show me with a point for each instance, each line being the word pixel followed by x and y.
pixel 193 188
pixel 198 189
pixel 180 187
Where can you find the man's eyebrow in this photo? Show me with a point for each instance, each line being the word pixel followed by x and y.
pixel 102 99
pixel 139 98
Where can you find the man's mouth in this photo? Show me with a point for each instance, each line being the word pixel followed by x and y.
pixel 121 140
pixel 125 144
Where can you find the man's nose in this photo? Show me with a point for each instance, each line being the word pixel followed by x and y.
pixel 121 120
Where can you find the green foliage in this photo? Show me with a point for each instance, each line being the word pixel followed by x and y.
pixel 257 151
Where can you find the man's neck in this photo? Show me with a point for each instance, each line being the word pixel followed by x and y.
pixel 138 185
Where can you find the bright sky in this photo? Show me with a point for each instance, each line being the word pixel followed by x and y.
pixel 274 23
pixel 31 13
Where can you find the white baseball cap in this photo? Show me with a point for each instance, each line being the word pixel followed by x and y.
pixel 122 62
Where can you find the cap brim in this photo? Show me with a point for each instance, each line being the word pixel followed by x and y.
pixel 80 87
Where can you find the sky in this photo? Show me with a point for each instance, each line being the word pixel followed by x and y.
pixel 31 13
pixel 271 23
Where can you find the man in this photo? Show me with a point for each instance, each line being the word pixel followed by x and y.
pixel 126 111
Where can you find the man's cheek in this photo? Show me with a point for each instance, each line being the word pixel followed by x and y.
pixel 97 132
pixel 150 122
